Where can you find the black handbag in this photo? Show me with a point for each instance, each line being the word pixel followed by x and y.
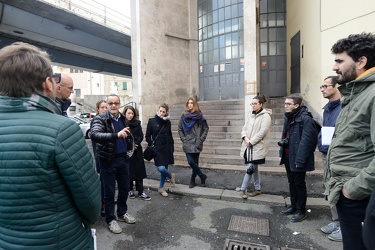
pixel 148 153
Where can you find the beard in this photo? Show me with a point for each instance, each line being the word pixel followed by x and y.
pixel 347 76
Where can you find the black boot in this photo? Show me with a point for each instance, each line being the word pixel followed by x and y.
pixel 192 182
pixel 203 180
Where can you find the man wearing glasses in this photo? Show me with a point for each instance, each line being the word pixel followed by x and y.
pixel 50 192
pixel 64 88
pixel 297 146
pixel 109 131
pixel 331 111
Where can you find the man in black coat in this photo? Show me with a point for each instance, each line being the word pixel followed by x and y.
pixel 109 131
pixel 297 146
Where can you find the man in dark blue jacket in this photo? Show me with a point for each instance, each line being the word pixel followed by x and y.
pixel 331 112
pixel 297 146
pixel 109 131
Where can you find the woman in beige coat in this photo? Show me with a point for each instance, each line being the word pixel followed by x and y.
pixel 255 141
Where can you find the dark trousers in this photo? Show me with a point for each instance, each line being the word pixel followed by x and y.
pixel 193 160
pixel 138 186
pixel 351 215
pixel 118 171
pixel 297 188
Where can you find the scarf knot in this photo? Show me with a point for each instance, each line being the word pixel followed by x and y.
pixel 189 119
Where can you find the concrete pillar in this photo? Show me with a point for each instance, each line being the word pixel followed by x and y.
pixel 251 53
pixel 164 53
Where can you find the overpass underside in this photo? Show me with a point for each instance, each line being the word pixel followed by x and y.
pixel 70 39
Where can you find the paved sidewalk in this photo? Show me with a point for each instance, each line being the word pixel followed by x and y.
pixel 221 185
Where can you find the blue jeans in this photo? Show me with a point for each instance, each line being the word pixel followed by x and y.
pixel 247 178
pixel 193 160
pixel 118 171
pixel 164 173
pixel 351 215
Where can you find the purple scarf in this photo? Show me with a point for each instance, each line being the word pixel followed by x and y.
pixel 189 119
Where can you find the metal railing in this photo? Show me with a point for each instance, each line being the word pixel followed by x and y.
pixel 95 12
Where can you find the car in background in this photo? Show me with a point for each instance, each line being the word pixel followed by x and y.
pixel 85 126
pixel 86 116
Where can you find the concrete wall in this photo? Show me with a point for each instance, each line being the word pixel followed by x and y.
pixel 359 19
pixel 304 16
pixel 164 53
pixel 251 53
pixel 321 24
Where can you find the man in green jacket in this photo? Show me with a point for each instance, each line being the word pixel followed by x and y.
pixel 49 189
pixel 351 155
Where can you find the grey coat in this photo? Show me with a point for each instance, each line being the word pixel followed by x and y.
pixel 193 139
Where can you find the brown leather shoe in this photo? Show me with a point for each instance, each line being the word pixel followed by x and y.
pixel 255 193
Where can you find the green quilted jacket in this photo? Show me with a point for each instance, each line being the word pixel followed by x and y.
pixel 351 155
pixel 49 189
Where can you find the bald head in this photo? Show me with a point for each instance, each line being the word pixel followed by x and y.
pixel 65 88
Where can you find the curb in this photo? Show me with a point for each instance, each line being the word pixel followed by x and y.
pixel 229 195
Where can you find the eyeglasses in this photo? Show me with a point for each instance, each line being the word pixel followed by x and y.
pixel 113 103
pixel 70 88
pixel 252 104
pixel 288 104
pixel 324 86
pixel 57 77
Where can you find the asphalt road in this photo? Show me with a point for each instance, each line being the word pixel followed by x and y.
pixel 192 222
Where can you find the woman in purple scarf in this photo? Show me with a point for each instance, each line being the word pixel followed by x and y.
pixel 193 130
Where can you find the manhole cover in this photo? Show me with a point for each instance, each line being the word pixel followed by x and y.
pixel 249 225
pixel 235 244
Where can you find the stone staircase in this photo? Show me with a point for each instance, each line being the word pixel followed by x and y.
pixel 222 147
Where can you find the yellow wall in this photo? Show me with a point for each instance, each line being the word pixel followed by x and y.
pixel 321 24
pixel 336 25
pixel 304 16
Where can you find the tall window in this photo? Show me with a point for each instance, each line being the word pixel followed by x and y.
pixel 220 42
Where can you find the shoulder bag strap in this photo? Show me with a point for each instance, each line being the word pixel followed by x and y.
pixel 153 142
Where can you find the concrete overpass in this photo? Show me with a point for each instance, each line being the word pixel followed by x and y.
pixel 69 38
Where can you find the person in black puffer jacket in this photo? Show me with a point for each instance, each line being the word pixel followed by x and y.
pixel 110 132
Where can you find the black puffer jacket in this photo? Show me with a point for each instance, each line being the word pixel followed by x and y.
pixel 103 133
pixel 303 135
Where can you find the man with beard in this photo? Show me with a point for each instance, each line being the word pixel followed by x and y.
pixel 297 146
pixel 350 158
pixel 331 111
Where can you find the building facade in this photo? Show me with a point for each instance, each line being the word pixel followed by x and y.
pixel 234 49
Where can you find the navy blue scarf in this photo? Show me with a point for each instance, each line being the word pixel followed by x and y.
pixel 189 119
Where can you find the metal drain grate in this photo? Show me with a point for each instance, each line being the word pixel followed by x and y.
pixel 249 225
pixel 241 245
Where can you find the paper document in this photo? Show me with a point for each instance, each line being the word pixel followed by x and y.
pixel 327 133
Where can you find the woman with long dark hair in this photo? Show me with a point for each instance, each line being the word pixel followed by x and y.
pixel 137 169
pixel 101 107
pixel 159 133
pixel 193 130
